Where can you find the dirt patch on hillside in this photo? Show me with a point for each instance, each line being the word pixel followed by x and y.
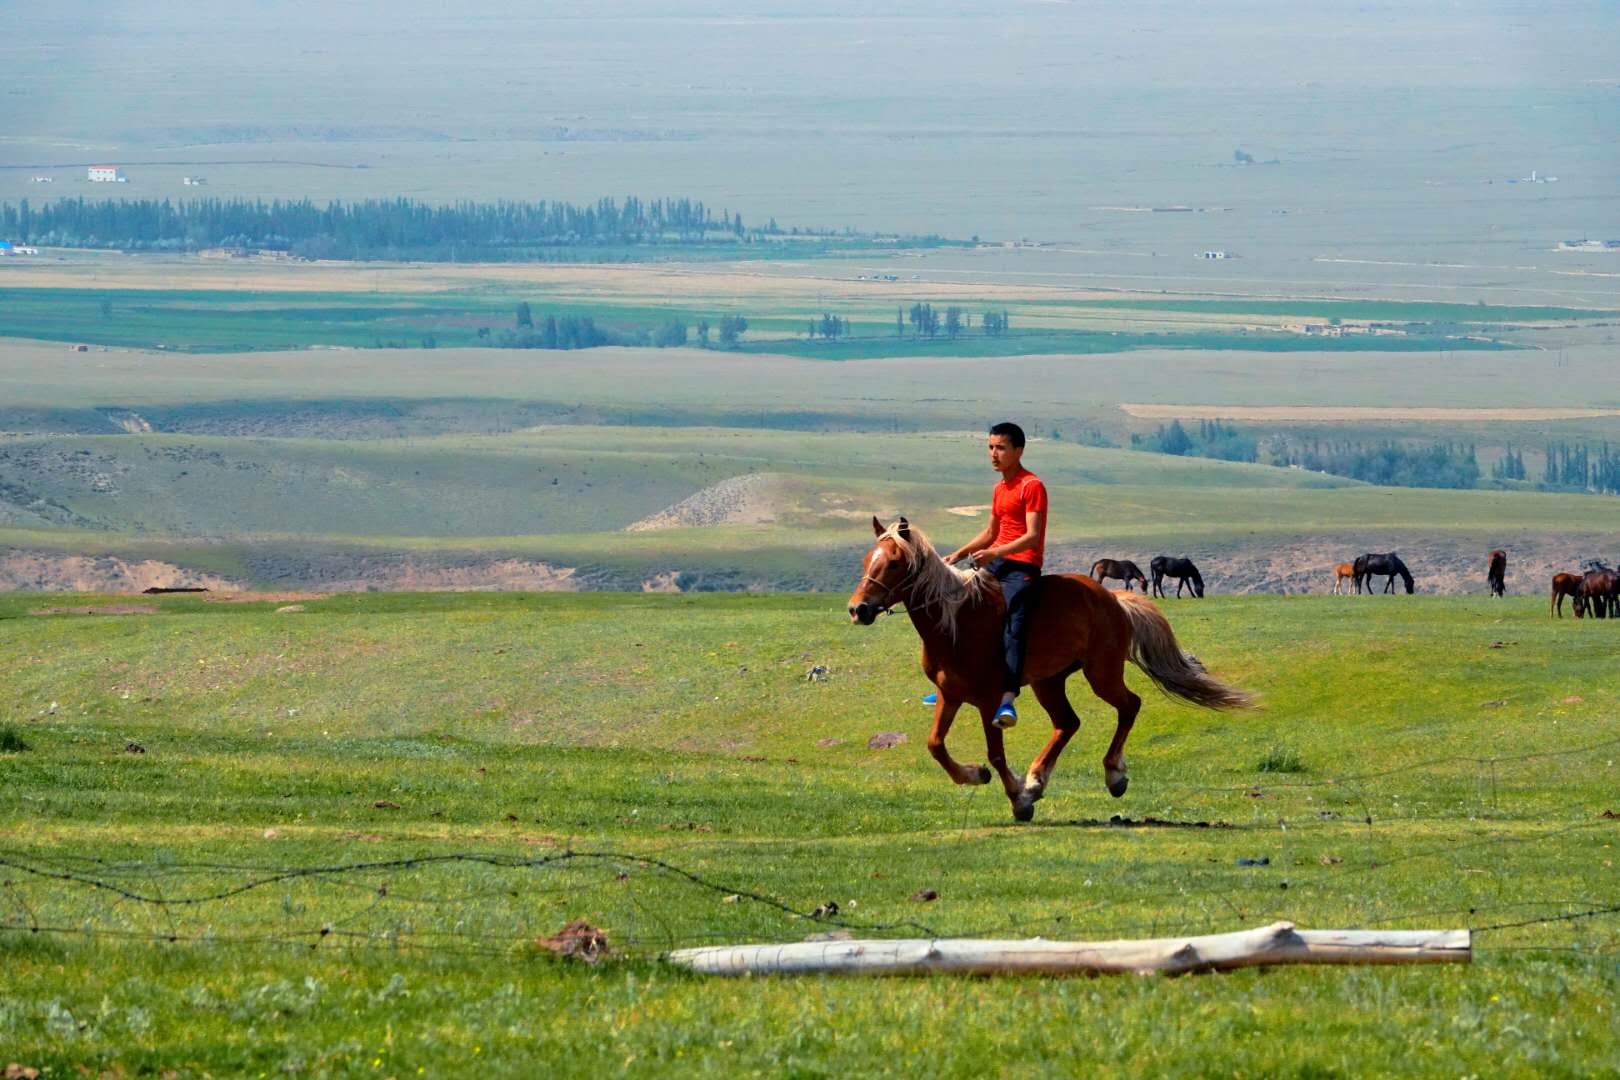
pixel 498 575
pixel 33 571
pixel 740 500
pixel 1344 414
pixel 99 609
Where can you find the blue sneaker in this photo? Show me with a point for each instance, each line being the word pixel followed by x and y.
pixel 1006 716
pixel 930 699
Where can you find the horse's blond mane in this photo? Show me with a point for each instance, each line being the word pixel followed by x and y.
pixel 936 587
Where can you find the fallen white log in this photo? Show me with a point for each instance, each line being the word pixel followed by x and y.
pixel 1278 943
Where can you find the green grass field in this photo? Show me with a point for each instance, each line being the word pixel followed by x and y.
pixel 235 320
pixel 1447 763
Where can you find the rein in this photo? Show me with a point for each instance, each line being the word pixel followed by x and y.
pixel 886 606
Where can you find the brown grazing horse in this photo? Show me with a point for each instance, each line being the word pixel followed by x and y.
pixel 1566 585
pixel 1123 569
pixel 1496 573
pixel 1600 590
pixel 1342 573
pixel 1075 625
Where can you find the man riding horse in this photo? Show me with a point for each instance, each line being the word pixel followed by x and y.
pixel 1012 546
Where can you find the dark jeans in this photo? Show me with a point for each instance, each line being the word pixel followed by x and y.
pixel 1016 577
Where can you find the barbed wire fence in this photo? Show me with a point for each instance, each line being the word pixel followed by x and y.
pixel 484 903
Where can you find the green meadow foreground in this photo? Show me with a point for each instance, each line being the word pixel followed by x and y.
pixel 1420 762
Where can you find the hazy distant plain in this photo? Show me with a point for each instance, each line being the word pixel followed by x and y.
pixel 1395 131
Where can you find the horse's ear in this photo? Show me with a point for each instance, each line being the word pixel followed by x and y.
pixel 877 527
pixel 905 529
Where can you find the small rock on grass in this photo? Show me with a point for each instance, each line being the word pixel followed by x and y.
pixel 134 748
pixel 885 740
pixel 17 1071
pixel 579 940
pixel 923 896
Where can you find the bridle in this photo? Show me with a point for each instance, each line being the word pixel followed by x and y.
pixel 886 606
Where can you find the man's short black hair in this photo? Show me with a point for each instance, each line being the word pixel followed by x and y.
pixel 1014 433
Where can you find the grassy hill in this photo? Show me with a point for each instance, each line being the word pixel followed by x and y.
pixel 732 508
pixel 365 729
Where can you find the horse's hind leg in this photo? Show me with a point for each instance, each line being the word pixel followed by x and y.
pixel 1065 722
pixel 1107 678
pixel 944 716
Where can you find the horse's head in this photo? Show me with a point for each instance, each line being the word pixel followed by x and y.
pixel 884 574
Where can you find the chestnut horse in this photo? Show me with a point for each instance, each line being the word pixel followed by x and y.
pixel 1496 573
pixel 1075 625
pixel 1600 590
pixel 1566 585
pixel 1123 569
pixel 1342 573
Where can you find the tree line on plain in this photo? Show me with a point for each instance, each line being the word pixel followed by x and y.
pixel 381 228
pixel 1385 462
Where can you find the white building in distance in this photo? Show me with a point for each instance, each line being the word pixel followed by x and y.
pixel 106 174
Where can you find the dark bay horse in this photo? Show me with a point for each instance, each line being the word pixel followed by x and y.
pixel 1075 625
pixel 1566 585
pixel 1600 590
pixel 1181 569
pixel 1368 566
pixel 1496 574
pixel 1123 569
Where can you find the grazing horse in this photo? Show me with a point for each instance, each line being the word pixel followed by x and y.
pixel 1124 569
pixel 1181 569
pixel 1600 589
pixel 1366 566
pixel 1075 625
pixel 1496 574
pixel 1342 573
pixel 1566 585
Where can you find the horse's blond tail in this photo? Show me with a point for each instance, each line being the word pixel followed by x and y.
pixel 1155 650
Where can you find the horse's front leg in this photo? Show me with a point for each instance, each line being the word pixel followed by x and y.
pixel 996 753
pixel 944 716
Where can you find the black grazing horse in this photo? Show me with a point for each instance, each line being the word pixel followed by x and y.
pixel 1124 569
pixel 1600 591
pixel 1496 576
pixel 1367 566
pixel 1181 569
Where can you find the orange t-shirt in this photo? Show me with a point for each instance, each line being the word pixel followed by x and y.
pixel 1024 494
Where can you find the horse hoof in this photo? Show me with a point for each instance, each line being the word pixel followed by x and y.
pixel 1023 811
pixel 1118 784
pixel 984 774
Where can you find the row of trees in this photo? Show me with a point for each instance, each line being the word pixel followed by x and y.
pixel 1581 467
pixel 1389 463
pixel 1214 440
pixel 367 229
pixel 582 332
pixel 1566 467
